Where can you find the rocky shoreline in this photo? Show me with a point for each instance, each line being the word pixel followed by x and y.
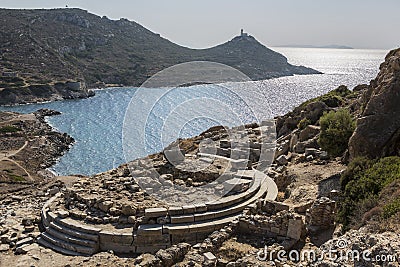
pixel 44 93
pixel 28 147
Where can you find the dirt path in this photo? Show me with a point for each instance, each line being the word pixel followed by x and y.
pixel 7 156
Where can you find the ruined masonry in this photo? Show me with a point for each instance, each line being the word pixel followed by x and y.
pixel 88 217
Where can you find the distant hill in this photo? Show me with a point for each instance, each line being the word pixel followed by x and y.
pixel 316 46
pixel 40 48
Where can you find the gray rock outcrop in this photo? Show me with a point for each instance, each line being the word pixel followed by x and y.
pixel 378 129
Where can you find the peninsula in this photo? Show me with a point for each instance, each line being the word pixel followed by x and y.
pixel 61 53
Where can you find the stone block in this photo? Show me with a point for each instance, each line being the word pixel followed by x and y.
pixel 188 238
pixel 209 258
pixel 149 229
pixel 204 216
pixel 175 156
pixel 25 241
pixel 115 237
pixel 202 227
pixel 303 207
pixel 128 209
pixel 175 211
pixel 200 207
pixel 189 209
pixel 155 212
pixel 163 239
pixel 182 219
pixel 294 229
pixel 177 229
pixel 282 160
pixel 236 185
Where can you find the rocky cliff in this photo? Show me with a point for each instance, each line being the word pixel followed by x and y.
pixel 44 92
pixel 378 128
pixel 40 47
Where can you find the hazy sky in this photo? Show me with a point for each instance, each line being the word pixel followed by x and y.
pixel 204 23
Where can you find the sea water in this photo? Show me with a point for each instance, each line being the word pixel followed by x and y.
pixel 96 123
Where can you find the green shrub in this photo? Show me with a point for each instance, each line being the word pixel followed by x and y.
pixel 355 169
pixel 334 98
pixel 336 130
pixel 9 129
pixel 362 182
pixel 16 178
pixel 303 123
pixel 372 180
pixel 392 208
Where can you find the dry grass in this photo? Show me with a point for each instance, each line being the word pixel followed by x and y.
pixel 231 250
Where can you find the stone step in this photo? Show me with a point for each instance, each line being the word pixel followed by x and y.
pixel 46 244
pixel 210 226
pixel 71 239
pixel 223 212
pixel 72 232
pixel 234 199
pixel 223 216
pixel 74 225
pixel 67 246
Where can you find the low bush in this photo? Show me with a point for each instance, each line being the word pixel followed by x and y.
pixel 336 130
pixel 392 208
pixel 9 129
pixel 334 98
pixel 17 178
pixel 303 123
pixel 362 182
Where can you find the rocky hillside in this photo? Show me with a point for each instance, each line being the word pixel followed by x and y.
pixel 40 47
pixel 378 131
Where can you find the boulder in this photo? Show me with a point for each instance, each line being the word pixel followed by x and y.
pixel 105 205
pixel 148 260
pixel 312 112
pixel 165 257
pixel 282 160
pixel 293 141
pixel 282 148
pixel 300 147
pixel 128 209
pixel 309 132
pixel 209 258
pixel 26 248
pixel 4 247
pixel 378 129
pixel 311 151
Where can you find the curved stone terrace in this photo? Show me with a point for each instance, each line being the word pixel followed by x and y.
pixel 117 211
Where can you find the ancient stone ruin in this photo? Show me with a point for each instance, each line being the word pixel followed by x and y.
pixel 129 210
